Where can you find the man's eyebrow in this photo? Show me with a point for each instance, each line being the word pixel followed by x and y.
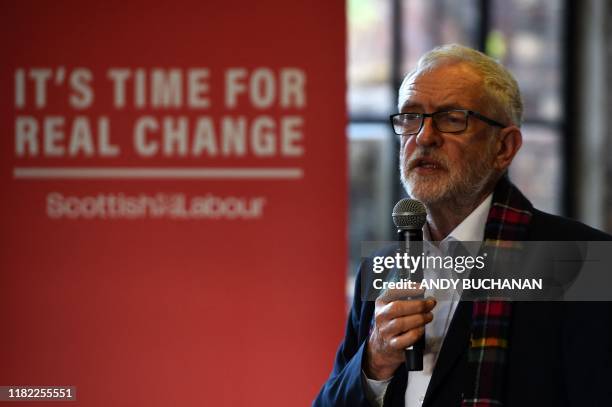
pixel 449 106
pixel 417 108
pixel 411 107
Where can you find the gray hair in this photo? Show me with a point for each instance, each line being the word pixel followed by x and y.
pixel 499 85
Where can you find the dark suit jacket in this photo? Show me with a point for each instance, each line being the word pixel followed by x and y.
pixel 560 353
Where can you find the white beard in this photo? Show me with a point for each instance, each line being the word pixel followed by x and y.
pixel 461 183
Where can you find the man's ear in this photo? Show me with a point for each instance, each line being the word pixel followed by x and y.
pixel 509 141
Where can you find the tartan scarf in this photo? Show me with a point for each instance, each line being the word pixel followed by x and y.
pixel 507 222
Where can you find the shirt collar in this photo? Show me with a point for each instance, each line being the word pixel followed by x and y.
pixel 471 229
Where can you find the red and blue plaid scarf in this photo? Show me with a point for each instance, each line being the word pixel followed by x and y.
pixel 507 222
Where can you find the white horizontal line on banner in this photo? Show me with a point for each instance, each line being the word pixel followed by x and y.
pixel 153 173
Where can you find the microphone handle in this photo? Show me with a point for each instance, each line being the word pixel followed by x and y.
pixel 414 353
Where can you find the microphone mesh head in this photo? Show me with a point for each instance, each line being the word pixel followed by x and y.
pixel 409 214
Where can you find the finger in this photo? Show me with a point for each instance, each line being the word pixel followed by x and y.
pixel 391 295
pixel 399 326
pixel 403 308
pixel 407 339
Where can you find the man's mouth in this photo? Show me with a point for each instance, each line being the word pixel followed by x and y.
pixel 425 163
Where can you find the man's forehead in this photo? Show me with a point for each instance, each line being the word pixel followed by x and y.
pixel 456 84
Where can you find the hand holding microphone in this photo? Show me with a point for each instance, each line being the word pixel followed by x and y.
pixel 398 324
pixel 400 316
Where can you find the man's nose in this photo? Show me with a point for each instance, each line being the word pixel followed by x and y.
pixel 429 136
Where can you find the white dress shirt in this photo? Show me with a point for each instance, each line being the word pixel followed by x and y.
pixel 471 229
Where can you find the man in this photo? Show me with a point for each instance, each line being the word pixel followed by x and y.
pixel 459 125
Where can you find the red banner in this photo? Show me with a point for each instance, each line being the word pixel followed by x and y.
pixel 174 199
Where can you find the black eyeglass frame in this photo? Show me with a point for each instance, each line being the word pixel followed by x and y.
pixel 424 115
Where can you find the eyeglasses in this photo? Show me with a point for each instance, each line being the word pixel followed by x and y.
pixel 449 121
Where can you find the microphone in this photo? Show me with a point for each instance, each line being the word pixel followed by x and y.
pixel 409 216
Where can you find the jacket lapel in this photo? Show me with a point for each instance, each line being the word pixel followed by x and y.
pixel 455 345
